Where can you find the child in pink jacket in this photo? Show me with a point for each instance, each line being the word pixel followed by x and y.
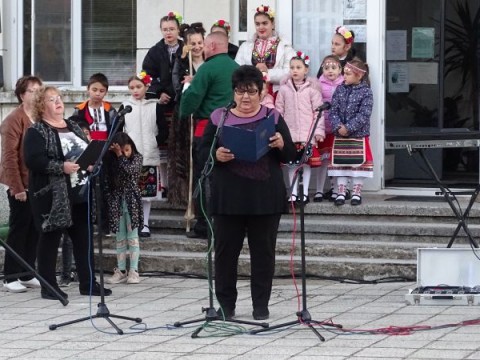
pixel 329 80
pixel 297 100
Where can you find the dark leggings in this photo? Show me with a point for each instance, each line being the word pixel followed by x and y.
pixel 82 252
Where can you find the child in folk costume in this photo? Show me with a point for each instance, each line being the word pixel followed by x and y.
pixel 125 206
pixel 297 101
pixel 352 105
pixel 148 129
pixel 266 98
pixel 329 80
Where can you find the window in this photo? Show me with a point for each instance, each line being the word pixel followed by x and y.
pixel 314 23
pixel 105 40
pixel 109 39
pixel 50 33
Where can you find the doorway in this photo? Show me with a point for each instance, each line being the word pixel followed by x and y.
pixel 433 62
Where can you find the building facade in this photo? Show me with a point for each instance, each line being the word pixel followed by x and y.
pixel 423 57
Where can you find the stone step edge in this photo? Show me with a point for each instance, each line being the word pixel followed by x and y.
pixel 316 259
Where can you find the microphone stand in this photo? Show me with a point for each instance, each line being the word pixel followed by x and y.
pixel 303 316
pixel 102 311
pixel 210 313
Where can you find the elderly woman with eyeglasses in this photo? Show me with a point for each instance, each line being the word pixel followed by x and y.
pixel 55 183
pixel 247 198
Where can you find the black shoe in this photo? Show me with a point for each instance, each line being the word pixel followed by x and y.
pixel 305 200
pixel 348 194
pixel 95 290
pixel 356 200
pixel 318 197
pixel 225 313
pixel 46 294
pixel 192 234
pixel 261 314
pixel 340 200
pixel 144 234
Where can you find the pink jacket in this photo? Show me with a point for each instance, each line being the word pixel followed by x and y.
pixel 327 87
pixel 268 101
pixel 298 108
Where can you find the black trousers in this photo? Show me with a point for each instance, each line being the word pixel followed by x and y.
pixel 262 238
pixel 22 238
pixel 82 250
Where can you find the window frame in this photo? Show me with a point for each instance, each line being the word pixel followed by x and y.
pixel 76 49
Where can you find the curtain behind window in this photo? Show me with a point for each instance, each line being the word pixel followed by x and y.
pixel 109 33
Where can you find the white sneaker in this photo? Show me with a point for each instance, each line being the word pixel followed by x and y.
pixel 32 283
pixel 14 287
pixel 118 277
pixel 133 277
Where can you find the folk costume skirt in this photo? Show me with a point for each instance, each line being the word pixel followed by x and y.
pixel 348 150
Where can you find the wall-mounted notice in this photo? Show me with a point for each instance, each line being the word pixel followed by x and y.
pixel 398 79
pixel 360 32
pixel 354 9
pixel 423 42
pixel 397 45
pixel 423 72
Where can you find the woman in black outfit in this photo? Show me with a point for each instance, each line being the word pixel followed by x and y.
pixel 56 182
pixel 247 198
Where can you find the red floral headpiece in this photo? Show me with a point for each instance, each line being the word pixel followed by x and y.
pixel 175 15
pixel 223 24
pixel 265 10
pixel 145 78
pixel 302 56
pixel 345 33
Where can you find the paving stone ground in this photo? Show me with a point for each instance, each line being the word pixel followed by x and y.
pixel 162 301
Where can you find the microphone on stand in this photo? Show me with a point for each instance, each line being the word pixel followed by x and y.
pixel 231 105
pixel 127 109
pixel 325 106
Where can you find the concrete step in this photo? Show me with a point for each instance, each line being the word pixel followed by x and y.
pixel 338 267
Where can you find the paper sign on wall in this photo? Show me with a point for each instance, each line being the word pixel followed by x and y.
pixel 397 45
pixel 398 78
pixel 423 42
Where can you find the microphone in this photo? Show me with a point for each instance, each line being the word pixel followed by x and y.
pixel 325 106
pixel 231 105
pixel 127 109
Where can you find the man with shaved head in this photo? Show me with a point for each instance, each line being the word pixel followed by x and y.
pixel 210 89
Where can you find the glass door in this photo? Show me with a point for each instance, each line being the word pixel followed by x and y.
pixel 432 53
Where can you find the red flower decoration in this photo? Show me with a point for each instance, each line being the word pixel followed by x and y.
pixel 221 22
pixel 171 14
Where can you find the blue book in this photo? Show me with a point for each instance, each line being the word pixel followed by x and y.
pixel 249 144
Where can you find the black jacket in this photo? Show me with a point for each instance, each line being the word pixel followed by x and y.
pixel 157 64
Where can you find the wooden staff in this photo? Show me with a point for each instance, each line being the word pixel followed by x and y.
pixel 189 214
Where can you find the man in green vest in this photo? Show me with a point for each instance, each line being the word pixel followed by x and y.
pixel 210 89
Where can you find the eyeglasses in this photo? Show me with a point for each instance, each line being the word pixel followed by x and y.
pixel 54 99
pixel 250 92
pixel 169 30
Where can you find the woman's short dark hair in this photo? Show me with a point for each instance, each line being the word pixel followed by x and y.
pixel 246 76
pixel 22 85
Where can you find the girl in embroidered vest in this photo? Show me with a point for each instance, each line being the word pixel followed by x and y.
pixel 267 51
pixel 125 206
pixel 297 101
pixel 352 105
pixel 329 80
pixel 148 129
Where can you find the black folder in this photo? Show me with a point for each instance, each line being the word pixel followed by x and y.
pixel 249 144
pixel 90 155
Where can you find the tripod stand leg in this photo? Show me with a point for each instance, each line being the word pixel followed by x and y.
pixel 102 312
pixel 31 270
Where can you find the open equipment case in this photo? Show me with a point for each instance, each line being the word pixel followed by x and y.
pixel 446 276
